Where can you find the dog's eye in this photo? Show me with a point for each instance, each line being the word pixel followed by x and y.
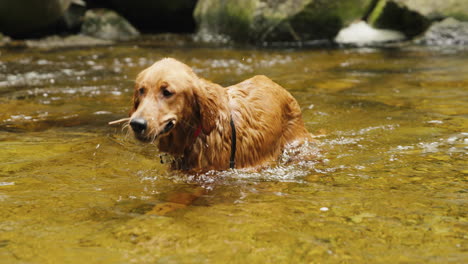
pixel 141 91
pixel 167 93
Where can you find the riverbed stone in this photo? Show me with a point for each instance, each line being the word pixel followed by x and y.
pixel 446 33
pixel 4 39
pixel 54 42
pixel 30 18
pixel 268 20
pixel 107 24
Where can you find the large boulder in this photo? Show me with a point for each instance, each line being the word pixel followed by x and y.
pixel 26 18
pixel 108 25
pixel 436 9
pixel 282 20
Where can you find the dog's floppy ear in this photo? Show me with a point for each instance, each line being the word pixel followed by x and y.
pixel 136 97
pixel 207 99
pixel 135 103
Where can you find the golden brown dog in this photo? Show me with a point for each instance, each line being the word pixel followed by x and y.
pixel 206 126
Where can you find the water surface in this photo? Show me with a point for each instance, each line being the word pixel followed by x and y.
pixel 389 185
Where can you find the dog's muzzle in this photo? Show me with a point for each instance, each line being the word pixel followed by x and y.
pixel 140 128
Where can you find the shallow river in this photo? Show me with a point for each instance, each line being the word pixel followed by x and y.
pixel 389 184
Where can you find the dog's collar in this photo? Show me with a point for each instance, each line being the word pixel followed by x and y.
pixel 232 160
pixel 197 132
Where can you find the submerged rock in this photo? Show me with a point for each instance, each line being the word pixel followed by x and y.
pixel 55 42
pixel 30 18
pixel 267 20
pixel 108 25
pixel 445 33
pixel 4 39
pixel 362 34
pixel 66 42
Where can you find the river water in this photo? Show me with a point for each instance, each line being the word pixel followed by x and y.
pixel 389 185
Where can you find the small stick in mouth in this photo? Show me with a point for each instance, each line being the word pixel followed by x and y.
pixel 119 121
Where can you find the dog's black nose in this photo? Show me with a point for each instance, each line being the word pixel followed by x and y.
pixel 138 124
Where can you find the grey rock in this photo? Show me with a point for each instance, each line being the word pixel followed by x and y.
pixel 108 25
pixel 448 32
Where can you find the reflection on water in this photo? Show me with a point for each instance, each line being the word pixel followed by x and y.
pixel 388 184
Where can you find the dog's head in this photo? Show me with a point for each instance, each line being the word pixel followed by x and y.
pixel 169 97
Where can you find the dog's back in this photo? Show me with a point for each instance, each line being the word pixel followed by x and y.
pixel 267 116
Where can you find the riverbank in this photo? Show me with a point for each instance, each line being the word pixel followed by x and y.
pixel 246 22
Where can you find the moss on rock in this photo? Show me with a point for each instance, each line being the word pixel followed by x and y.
pixel 268 20
pixel 225 18
pixel 324 18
